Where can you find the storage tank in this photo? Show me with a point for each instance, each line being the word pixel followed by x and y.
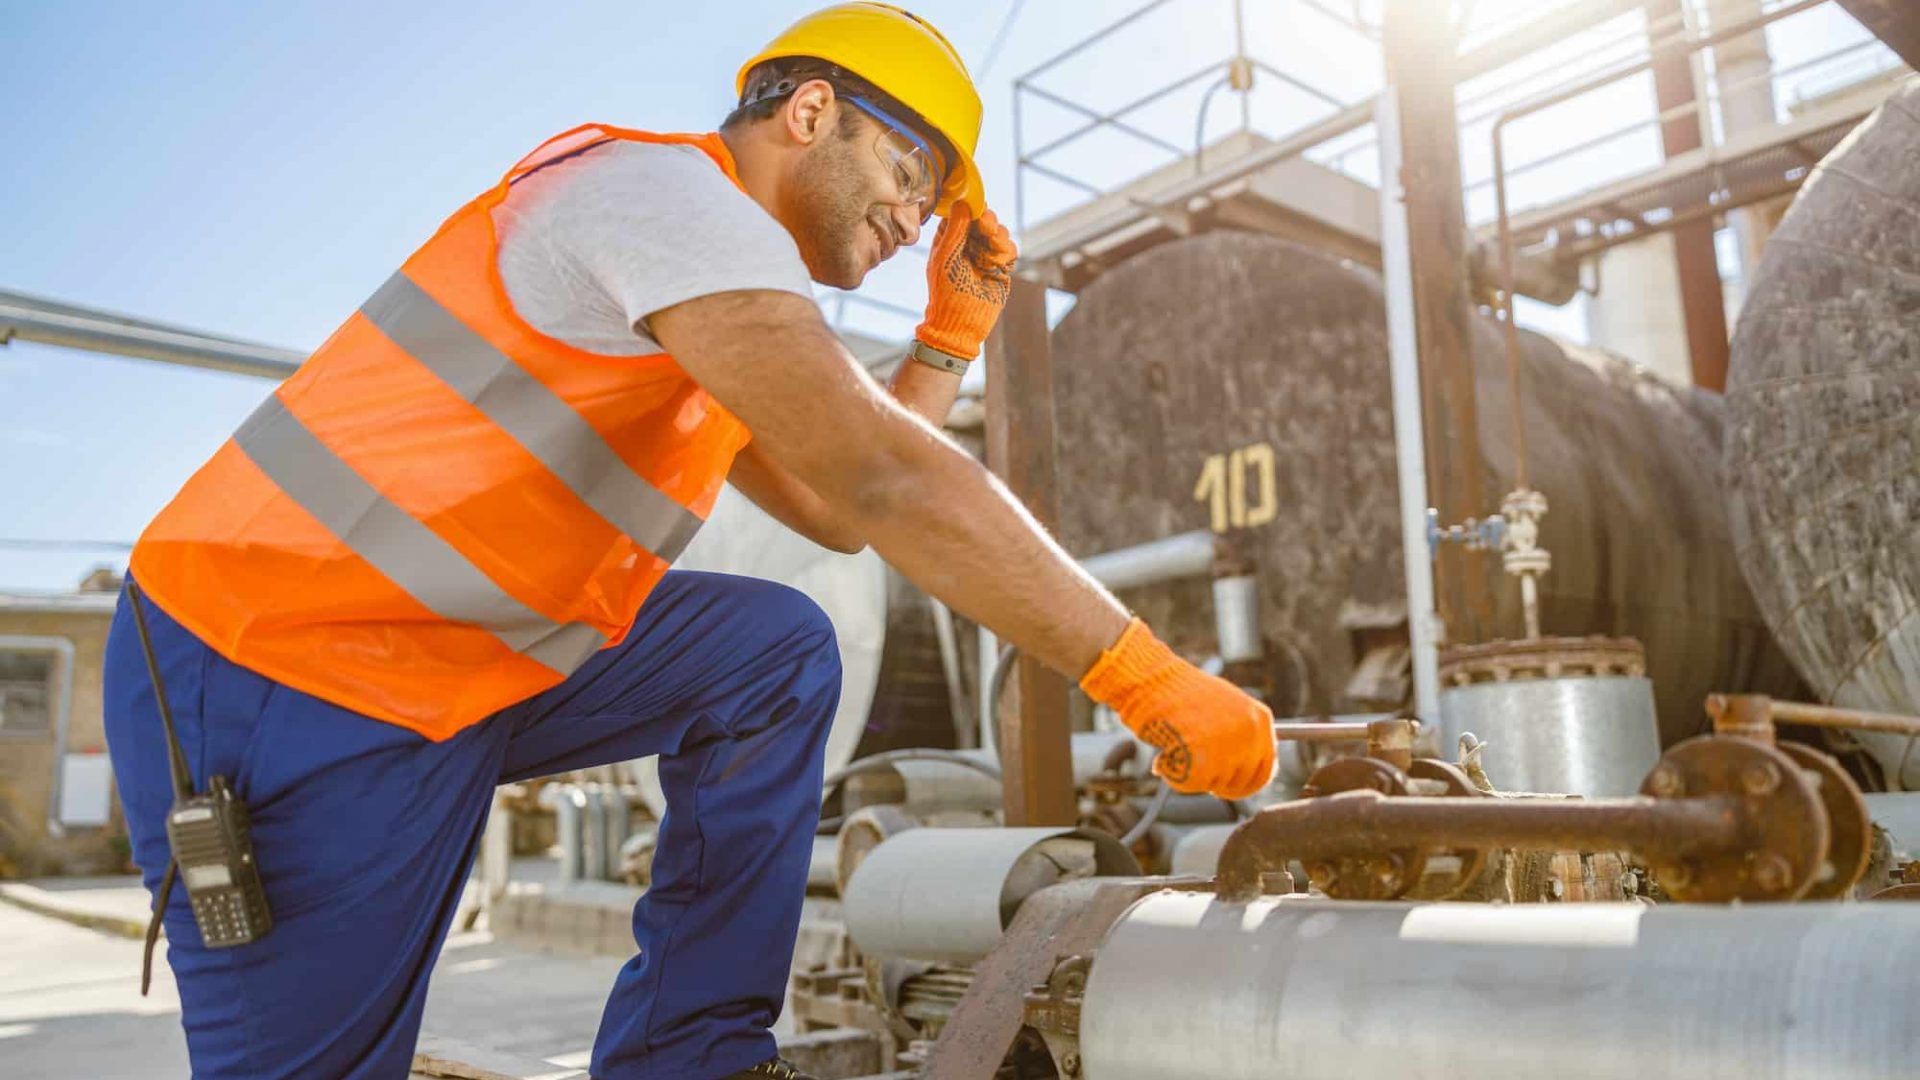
pixel 1238 381
pixel 1823 426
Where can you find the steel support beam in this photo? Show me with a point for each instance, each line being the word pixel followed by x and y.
pixel 1702 299
pixel 1419 51
pixel 1036 750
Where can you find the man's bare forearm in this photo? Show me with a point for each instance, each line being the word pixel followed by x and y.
pixel 925 505
pixel 926 391
pixel 956 531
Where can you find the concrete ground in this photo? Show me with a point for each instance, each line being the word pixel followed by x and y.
pixel 70 1001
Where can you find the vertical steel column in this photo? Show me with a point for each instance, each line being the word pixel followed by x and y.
pixel 1036 754
pixel 1701 297
pixel 1419 49
pixel 1403 356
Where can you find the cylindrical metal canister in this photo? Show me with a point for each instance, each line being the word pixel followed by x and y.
pixel 1185 987
pixel 946 894
pixel 1570 716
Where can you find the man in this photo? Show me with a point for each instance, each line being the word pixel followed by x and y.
pixel 436 560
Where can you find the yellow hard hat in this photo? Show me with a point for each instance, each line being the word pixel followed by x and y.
pixel 902 54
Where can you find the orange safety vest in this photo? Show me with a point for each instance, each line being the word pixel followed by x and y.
pixel 444 511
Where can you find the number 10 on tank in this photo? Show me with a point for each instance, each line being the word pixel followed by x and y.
pixel 1226 481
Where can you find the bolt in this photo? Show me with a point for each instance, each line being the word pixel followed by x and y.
pixel 1070 1064
pixel 1665 782
pixel 1759 778
pixel 1771 873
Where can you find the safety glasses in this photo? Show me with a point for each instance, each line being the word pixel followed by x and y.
pixel 916 168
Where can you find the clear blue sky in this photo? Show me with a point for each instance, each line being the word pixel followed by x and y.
pixel 256 169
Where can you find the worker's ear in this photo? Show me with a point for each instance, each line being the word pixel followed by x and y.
pixel 809 111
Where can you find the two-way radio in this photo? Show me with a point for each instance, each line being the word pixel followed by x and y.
pixel 207 832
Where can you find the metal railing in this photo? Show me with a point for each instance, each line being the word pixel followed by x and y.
pixel 1237 71
pixel 1684 43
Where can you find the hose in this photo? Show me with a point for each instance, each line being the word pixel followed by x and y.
pixel 1151 815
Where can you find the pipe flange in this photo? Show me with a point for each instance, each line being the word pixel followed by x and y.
pixel 1378 874
pixel 1849 826
pixel 1542 658
pixel 1473 861
pixel 1785 843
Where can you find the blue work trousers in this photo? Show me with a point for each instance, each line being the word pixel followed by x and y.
pixel 365 833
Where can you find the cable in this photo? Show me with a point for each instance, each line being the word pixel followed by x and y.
pixel 1200 125
pixel 1002 670
pixel 875 762
pixel 1000 36
pixel 176 758
pixel 1151 815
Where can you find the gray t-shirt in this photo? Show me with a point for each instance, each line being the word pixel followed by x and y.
pixel 592 245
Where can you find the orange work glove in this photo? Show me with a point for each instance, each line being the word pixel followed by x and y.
pixel 969 273
pixel 1211 736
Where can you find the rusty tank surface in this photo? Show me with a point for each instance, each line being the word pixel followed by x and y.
pixel 1239 382
pixel 1823 425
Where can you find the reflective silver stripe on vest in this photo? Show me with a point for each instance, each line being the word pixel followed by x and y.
pixel 411 555
pixel 534 415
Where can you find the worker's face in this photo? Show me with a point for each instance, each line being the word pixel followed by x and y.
pixel 847 210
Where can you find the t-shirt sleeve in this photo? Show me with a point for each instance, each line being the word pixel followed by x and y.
pixel 654 225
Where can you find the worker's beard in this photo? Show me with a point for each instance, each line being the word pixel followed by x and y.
pixel 828 212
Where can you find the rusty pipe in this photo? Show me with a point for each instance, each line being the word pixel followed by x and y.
pixel 1389 739
pixel 1750 714
pixel 1660 830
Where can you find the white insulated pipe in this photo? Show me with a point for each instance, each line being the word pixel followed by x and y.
pixel 1184 555
pixel 1185 986
pixel 945 895
pixel 1409 438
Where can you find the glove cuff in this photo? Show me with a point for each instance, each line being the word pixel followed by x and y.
pixel 1130 665
pixel 958 325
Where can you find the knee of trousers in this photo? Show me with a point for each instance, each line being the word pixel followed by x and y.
pixel 806 623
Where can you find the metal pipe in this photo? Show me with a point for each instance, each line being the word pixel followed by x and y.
pixel 1659 830
pixel 62 648
pixel 1509 329
pixel 1240 56
pixel 1556 25
pixel 1409 435
pixel 1749 714
pixel 987 645
pixel 1794 712
pixel 1655 54
pixel 1185 555
pixel 1185 987
pixel 1113 118
pixel 50 322
pixel 1236 618
pixel 1099 36
pixel 946 894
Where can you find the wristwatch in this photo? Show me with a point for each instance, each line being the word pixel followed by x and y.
pixel 934 358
